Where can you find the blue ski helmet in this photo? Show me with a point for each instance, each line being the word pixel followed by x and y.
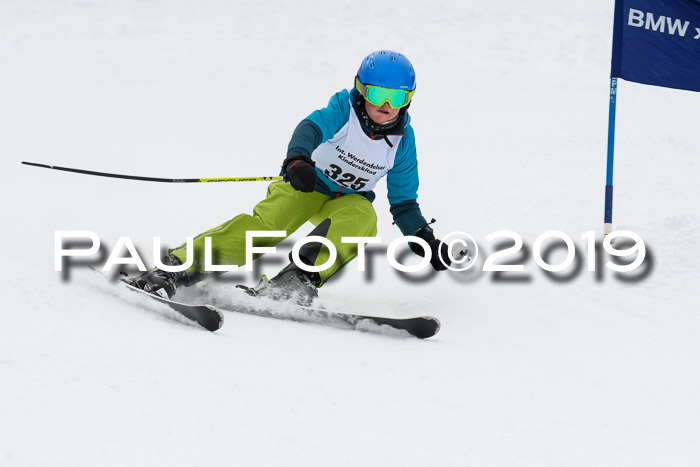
pixel 387 69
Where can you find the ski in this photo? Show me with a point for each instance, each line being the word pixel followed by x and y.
pixel 210 317
pixel 421 327
pixel 207 316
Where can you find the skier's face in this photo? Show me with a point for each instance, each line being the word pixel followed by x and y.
pixel 381 114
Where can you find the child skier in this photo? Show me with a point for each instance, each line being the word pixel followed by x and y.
pixel 335 158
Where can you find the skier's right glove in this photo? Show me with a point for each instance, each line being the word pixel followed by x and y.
pixel 438 250
pixel 300 172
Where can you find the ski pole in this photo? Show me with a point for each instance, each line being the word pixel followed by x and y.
pixel 155 179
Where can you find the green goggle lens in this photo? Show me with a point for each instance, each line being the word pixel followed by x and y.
pixel 377 95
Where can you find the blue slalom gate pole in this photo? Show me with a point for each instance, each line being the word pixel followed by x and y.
pixel 607 220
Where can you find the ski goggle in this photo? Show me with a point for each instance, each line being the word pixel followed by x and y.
pixel 377 95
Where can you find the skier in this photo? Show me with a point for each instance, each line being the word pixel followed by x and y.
pixel 335 158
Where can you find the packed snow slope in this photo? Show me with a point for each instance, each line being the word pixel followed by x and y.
pixel 580 369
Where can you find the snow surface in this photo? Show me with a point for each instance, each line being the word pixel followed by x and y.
pixel 511 124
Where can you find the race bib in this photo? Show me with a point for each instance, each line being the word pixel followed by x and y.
pixel 352 160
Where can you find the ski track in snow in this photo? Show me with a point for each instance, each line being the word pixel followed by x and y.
pixel 511 125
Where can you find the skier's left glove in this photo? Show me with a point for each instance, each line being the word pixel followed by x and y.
pixel 437 250
pixel 300 172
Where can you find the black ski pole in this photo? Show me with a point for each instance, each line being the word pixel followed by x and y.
pixel 154 179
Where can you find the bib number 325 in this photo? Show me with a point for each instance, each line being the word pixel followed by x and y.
pixel 347 179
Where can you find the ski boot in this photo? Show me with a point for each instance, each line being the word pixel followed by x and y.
pixel 159 282
pixel 290 284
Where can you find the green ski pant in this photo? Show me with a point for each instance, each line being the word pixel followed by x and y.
pixel 287 209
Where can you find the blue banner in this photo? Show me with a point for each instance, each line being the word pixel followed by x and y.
pixel 657 42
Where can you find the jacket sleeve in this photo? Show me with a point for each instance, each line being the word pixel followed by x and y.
pixel 306 137
pixel 402 187
pixel 408 217
pixel 320 126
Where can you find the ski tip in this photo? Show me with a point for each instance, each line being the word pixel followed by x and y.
pixel 426 332
pixel 437 326
pixel 221 315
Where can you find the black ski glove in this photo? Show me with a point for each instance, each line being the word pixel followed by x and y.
pixel 299 171
pixel 437 250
